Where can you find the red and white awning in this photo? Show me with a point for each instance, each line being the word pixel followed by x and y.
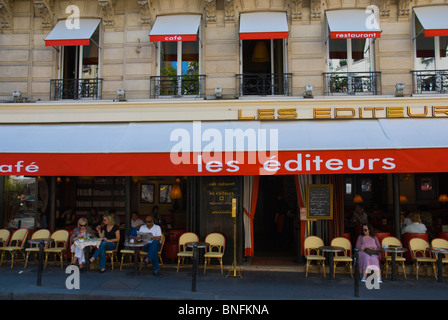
pixel 66 34
pixel 353 24
pixel 226 148
pixel 433 19
pixel 263 25
pixel 175 28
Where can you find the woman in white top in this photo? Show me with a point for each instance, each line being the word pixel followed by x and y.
pixel 416 226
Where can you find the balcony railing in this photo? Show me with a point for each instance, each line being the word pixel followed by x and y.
pixel 267 84
pixel 352 83
pixel 177 86
pixel 430 81
pixel 75 89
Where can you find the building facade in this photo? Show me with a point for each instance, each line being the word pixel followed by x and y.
pixel 246 99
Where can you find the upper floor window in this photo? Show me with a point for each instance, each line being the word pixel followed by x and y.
pixel 430 73
pixel 178 57
pixel 350 55
pixel 263 68
pixel 79 60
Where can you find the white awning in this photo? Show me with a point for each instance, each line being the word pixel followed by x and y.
pixel 263 25
pixel 226 148
pixel 66 34
pixel 355 23
pixel 433 19
pixel 175 28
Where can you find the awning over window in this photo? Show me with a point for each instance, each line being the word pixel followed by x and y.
pixel 433 19
pixel 263 25
pixel 347 24
pixel 66 34
pixel 175 28
pixel 226 148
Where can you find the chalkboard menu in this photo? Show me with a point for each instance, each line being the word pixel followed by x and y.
pixel 319 201
pixel 218 194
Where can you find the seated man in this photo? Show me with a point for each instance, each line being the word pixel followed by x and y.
pixel 153 245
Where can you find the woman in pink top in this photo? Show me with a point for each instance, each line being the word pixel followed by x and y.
pixel 367 240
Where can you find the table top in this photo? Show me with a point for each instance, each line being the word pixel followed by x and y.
pixel 198 244
pixel 331 248
pixel 135 244
pixel 45 240
pixel 438 250
pixel 394 249
pixel 86 243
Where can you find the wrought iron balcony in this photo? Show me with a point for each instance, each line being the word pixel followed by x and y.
pixel 352 83
pixel 267 84
pixel 75 89
pixel 177 86
pixel 430 81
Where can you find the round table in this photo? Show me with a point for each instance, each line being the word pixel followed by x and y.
pixel 84 245
pixel 331 250
pixel 136 246
pixel 196 246
pixel 440 252
pixel 393 253
pixel 41 242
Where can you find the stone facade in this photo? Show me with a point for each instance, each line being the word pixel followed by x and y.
pixel 128 59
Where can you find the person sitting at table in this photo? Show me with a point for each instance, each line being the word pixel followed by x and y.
pixel 110 233
pixel 82 231
pixel 416 226
pixel 368 246
pixel 153 246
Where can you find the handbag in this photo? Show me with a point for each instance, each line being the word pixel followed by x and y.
pixel 370 251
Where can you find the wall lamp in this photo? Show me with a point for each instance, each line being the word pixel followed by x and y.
pixel 399 89
pixel 308 91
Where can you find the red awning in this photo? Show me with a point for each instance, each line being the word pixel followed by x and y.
pixel 433 19
pixel 65 34
pixel 263 25
pixel 175 28
pixel 226 148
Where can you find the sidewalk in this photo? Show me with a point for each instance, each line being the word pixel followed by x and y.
pixel 257 283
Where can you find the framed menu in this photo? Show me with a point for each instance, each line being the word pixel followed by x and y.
pixel 319 201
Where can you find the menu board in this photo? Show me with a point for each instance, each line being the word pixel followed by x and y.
pixel 218 194
pixel 319 201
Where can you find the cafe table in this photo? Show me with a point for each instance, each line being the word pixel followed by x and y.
pixel 85 246
pixel 440 252
pixel 136 245
pixel 41 242
pixel 195 246
pixel 331 250
pixel 393 250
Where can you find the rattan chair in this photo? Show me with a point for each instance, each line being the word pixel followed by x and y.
pixel 419 253
pixel 182 249
pixel 58 247
pixel 312 244
pixel 4 235
pixel 34 248
pixel 346 258
pixel 216 250
pixel 143 254
pixel 399 258
pixel 15 246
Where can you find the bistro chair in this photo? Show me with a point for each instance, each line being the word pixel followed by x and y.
pixel 183 251
pixel 4 235
pixel 216 250
pixel 60 240
pixel 419 253
pixel 143 254
pixel 312 244
pixel 347 254
pixel 16 245
pixel 112 255
pixel 34 248
pixel 399 259
pixel 443 244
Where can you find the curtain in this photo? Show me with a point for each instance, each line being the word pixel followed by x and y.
pixel 301 182
pixel 250 195
pixel 336 226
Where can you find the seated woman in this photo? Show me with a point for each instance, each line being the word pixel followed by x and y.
pixel 111 236
pixel 83 230
pixel 416 226
pixel 368 245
